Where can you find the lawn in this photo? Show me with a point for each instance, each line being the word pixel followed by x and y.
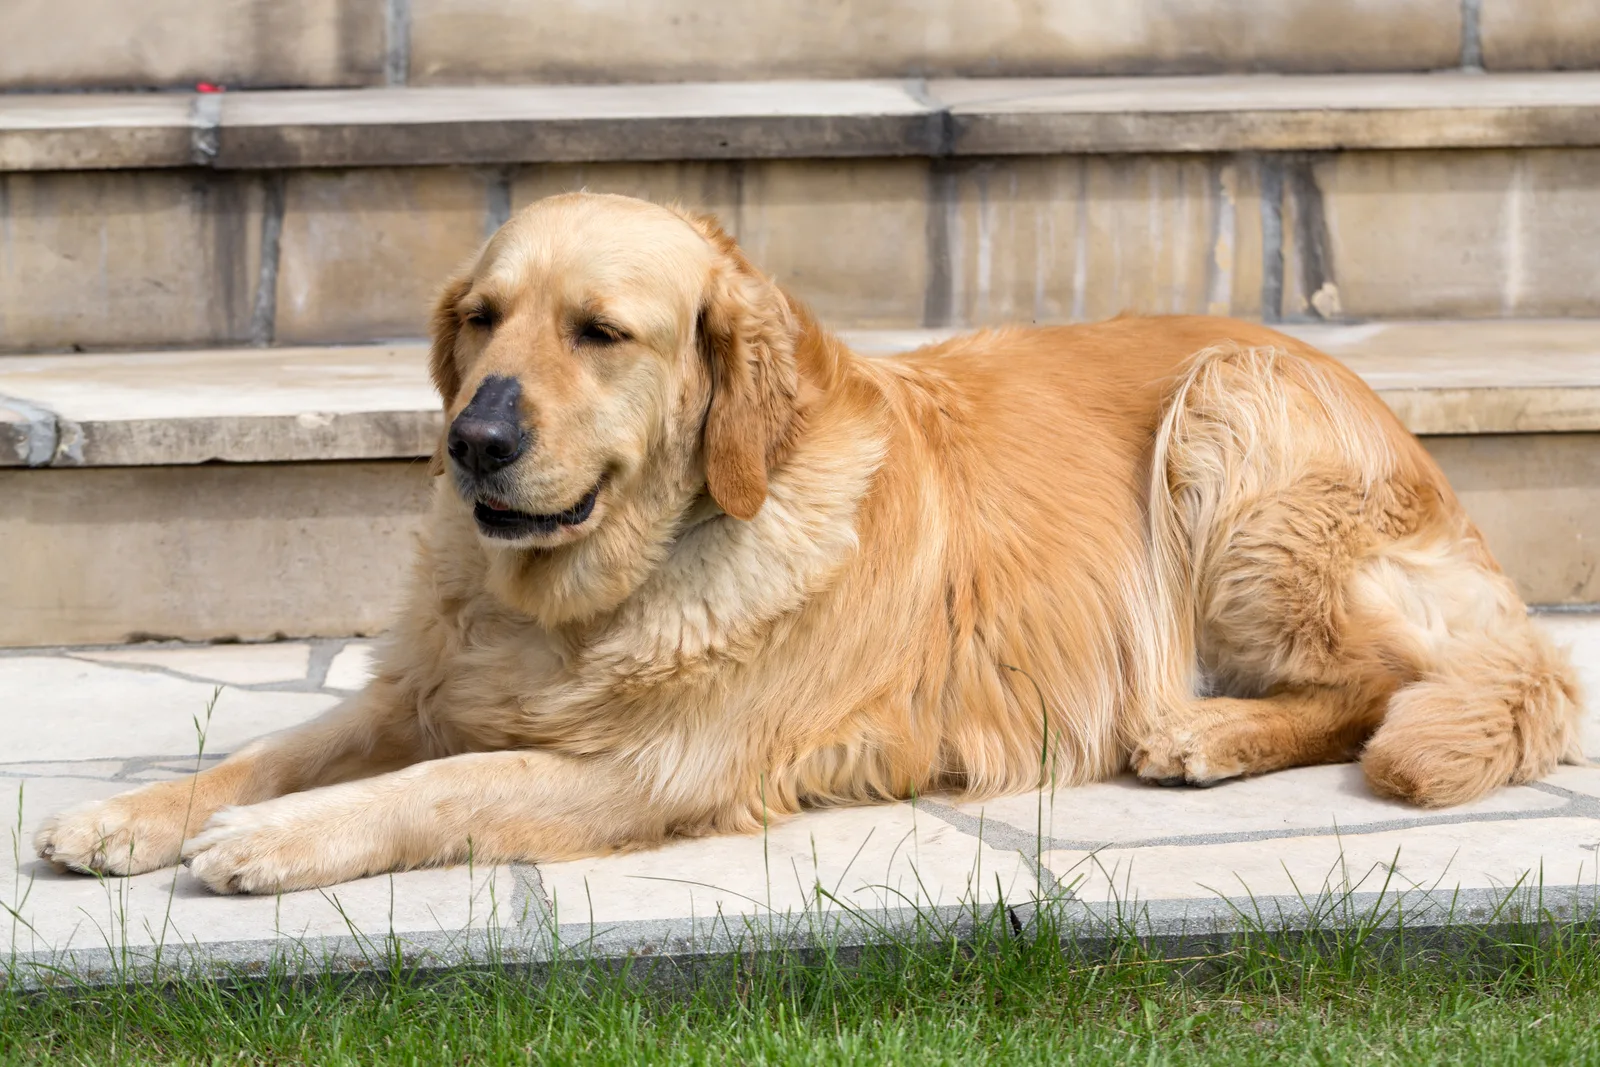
pixel 1518 996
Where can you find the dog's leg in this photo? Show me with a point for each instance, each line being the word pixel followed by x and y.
pixel 1225 737
pixel 145 828
pixel 490 807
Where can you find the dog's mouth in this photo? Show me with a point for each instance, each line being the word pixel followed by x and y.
pixel 496 518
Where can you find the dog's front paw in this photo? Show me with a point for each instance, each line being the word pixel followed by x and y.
pixel 275 847
pixel 1184 755
pixel 129 834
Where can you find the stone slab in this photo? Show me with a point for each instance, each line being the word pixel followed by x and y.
pixel 161 44
pixel 117 712
pixel 475 41
pixel 247 551
pixel 277 661
pixel 375 402
pixel 236 405
pixel 396 127
pixel 351 668
pixel 870 859
pixel 1302 848
pixel 1440 235
pixel 1127 811
pixel 1540 34
pixel 1533 497
pixel 99 132
pixel 345 229
pixel 801 120
pixel 95 259
pixel 1440 858
pixel 1237 113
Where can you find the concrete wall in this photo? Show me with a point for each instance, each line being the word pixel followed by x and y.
pixel 54 44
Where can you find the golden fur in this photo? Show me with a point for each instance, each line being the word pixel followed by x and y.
pixel 1191 546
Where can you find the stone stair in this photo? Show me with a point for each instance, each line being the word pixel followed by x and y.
pixel 212 402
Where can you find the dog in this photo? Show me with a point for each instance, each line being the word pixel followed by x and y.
pixel 692 564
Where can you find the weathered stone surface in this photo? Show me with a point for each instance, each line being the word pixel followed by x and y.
pixel 463 41
pixel 580 123
pixel 127 713
pixel 1557 853
pixel 116 259
pixel 345 230
pixel 1540 34
pixel 109 44
pixel 1230 113
pixel 865 858
pixel 103 131
pixel 1534 498
pixel 1052 239
pixel 1452 234
pixel 375 402
pixel 801 120
pixel 850 241
pixel 275 661
pixel 351 668
pixel 1474 377
pixel 247 551
pixel 239 405
pixel 1127 810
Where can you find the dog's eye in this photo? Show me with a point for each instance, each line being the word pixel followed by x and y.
pixel 481 317
pixel 600 333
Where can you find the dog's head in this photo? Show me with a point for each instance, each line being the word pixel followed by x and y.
pixel 605 364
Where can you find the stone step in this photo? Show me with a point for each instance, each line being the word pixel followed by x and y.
pixel 393 127
pixel 264 217
pixel 250 493
pixel 164 44
pixel 282 405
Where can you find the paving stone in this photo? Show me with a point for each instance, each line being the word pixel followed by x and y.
pixel 352 668
pixel 1127 810
pixel 60 708
pixel 1585 780
pixel 103 770
pixel 171 43
pixel 98 259
pixel 864 858
pixel 456 41
pixel 278 661
pixel 1467 855
pixel 69 911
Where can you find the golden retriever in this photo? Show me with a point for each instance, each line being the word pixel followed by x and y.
pixel 691 563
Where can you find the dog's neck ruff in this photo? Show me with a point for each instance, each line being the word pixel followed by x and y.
pixel 725 582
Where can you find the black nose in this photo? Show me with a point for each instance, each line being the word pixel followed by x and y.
pixel 488 434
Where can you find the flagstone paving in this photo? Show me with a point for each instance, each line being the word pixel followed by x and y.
pixel 78 724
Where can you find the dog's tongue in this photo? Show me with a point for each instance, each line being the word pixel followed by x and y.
pixel 497 505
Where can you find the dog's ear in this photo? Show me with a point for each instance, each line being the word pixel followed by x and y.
pixel 747 333
pixel 444 328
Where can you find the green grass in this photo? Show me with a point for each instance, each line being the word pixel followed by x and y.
pixel 1347 997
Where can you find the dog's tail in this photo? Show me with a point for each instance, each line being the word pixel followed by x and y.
pixel 1502 710
pixel 1239 425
